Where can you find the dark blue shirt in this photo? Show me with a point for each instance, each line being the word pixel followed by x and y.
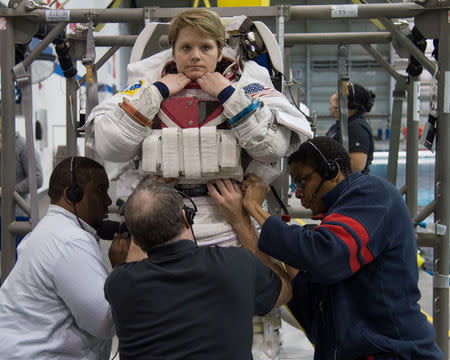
pixel 356 293
pixel 360 138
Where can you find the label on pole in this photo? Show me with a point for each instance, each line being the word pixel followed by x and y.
pixel 447 92
pixel 2 23
pixel 344 11
pixel 57 15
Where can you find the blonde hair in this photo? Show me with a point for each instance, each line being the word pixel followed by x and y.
pixel 204 21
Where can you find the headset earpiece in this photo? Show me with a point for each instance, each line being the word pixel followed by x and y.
pixel 332 170
pixel 329 168
pixel 75 193
pixel 190 212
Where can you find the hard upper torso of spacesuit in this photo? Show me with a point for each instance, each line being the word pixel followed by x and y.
pixel 191 139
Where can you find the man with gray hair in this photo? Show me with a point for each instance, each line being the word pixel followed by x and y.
pixel 182 301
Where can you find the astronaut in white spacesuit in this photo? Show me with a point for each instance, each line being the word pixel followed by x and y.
pixel 208 109
pixel 193 114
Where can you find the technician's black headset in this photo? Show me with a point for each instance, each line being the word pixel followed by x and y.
pixel 190 212
pixel 75 193
pixel 329 168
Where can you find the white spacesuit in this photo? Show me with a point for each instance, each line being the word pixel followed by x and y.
pixel 195 138
pixel 191 147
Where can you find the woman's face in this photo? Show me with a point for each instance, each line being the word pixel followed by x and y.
pixel 195 54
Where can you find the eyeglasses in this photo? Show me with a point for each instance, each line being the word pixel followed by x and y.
pixel 300 185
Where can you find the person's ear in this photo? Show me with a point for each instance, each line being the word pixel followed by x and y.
pixel 66 196
pixel 186 222
pixel 219 58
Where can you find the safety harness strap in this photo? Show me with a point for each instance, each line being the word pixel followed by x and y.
pixel 343 92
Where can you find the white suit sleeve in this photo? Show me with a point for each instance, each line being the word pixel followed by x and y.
pixel 264 134
pixel 117 135
pixel 78 279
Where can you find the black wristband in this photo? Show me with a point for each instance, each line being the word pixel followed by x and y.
pixel 225 94
pixel 163 89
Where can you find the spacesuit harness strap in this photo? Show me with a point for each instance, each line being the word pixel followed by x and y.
pixel 193 153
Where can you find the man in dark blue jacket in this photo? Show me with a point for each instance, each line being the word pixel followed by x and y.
pixel 355 275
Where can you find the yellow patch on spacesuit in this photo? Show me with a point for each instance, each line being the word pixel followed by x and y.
pixel 130 90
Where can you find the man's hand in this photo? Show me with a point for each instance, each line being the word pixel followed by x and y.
pixel 255 193
pixel 229 200
pixel 175 82
pixel 213 84
pixel 118 250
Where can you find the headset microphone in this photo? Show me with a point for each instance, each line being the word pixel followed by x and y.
pixel 317 189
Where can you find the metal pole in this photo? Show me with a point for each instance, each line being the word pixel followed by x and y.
pixel 382 61
pixel 43 44
pixel 22 203
pixel 425 212
pixel 118 15
pixel 311 12
pixel 109 40
pixel 427 240
pixel 308 72
pixel 280 36
pixel 20 227
pixel 253 12
pixel 282 183
pixel 8 253
pixel 71 116
pixel 442 189
pixel 396 122
pixel 412 145
pixel 356 11
pixel 338 38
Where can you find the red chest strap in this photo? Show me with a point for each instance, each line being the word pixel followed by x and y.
pixel 188 112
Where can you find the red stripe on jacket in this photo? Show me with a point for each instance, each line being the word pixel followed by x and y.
pixel 351 244
pixel 348 238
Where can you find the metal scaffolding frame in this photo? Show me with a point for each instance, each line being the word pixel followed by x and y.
pixel 29 15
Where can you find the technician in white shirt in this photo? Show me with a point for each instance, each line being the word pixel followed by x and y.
pixel 52 304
